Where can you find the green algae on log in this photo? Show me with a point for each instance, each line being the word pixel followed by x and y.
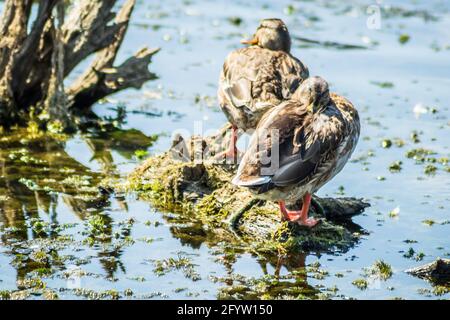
pixel 203 191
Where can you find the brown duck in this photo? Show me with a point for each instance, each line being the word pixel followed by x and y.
pixel 259 77
pixel 299 146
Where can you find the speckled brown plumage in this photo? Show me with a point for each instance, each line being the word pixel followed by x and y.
pixel 313 148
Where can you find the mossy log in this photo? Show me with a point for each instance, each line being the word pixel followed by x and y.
pixel 35 61
pixel 202 191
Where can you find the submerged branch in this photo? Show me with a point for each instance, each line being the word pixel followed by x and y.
pixel 33 65
pixel 437 271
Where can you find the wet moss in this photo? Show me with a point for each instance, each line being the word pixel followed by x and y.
pixel 396 166
pixel 31 283
pixel 409 254
pixel 360 284
pixel 386 143
pixel 267 287
pixel 5 294
pixel 380 269
pixel 140 154
pixel 384 85
pixel 394 212
pixel 323 237
pixel 50 295
pixel 441 290
pixel 164 266
pixel 98 228
pixel 97 295
pixel 419 154
pixel 213 209
pixel 430 169
pixel 429 222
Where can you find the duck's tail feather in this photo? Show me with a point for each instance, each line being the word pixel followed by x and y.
pixel 260 184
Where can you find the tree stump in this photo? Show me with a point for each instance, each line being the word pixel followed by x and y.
pixel 34 63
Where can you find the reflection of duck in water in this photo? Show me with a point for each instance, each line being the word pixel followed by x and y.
pixel 259 77
pixel 277 286
pixel 299 146
pixel 292 262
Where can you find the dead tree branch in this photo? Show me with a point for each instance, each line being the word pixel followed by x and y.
pixel 34 63
pixel 102 78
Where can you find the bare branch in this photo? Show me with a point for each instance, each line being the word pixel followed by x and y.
pixel 106 57
pixel 436 271
pixel 133 73
pixel 55 98
pixel 86 31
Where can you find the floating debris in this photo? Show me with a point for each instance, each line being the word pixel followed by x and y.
pixel 404 38
pixel 384 85
pixel 236 21
pixel 360 284
pixel 429 222
pixel 394 212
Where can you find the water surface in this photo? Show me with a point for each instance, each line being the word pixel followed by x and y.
pixel 57 233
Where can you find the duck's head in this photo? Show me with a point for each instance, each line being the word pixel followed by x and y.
pixel 313 93
pixel 271 34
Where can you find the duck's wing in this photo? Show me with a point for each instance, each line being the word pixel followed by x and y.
pixel 239 71
pixel 303 146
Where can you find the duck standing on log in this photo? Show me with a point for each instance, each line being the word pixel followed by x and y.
pixel 257 78
pixel 299 146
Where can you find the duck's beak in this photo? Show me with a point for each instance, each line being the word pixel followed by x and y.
pixel 310 108
pixel 252 42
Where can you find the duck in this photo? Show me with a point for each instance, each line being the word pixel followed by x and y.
pixel 298 147
pixel 258 77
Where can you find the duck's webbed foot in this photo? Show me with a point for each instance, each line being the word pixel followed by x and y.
pixel 300 217
pixel 309 222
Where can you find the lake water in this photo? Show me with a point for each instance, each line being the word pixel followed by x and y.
pixel 399 81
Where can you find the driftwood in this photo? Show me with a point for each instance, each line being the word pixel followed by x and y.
pixel 201 192
pixel 33 64
pixel 436 272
